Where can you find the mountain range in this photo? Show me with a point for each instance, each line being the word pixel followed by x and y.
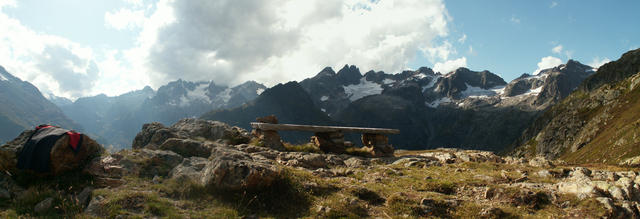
pixel 463 108
pixel 550 113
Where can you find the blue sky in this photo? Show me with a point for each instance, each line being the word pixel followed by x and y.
pixel 510 37
pixel 117 46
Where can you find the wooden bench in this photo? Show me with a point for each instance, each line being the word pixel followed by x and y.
pixel 331 138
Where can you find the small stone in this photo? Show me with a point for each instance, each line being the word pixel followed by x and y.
pixel 95 205
pixel 156 179
pixel 323 209
pixel 540 162
pixel 44 205
pixel 580 172
pixel 543 173
pixel 85 196
pixel 607 202
pixel 428 177
pixel 492 213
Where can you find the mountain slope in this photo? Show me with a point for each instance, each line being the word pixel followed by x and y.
pixel 22 106
pixel 597 123
pixel 289 102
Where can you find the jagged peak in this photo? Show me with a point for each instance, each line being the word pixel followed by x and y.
pixel 576 64
pixel 326 71
pixel 524 75
pixel 426 71
pixel 460 70
pixel 349 69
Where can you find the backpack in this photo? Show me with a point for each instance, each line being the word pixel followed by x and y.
pixel 36 152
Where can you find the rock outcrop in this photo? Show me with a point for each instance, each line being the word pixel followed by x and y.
pixel 230 169
pixel 154 135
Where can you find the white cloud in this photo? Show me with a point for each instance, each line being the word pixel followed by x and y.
pixel 7 3
pixel 124 18
pixel 463 38
pixel 229 42
pixel 553 4
pixel 557 49
pixel 596 62
pixel 514 19
pixel 547 62
pixel 276 41
pixel 441 52
pixel 53 64
pixel 59 66
pixel 450 65
pixel 569 54
pixel 135 2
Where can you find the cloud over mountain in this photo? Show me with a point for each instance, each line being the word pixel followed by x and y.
pixel 275 41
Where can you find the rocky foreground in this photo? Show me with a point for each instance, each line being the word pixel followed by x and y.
pixel 199 169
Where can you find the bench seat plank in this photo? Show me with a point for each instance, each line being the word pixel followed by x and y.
pixel 318 128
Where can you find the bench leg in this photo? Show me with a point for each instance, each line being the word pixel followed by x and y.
pixel 329 142
pixel 268 138
pixel 377 144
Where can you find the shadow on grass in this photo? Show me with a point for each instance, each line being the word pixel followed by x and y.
pixel 285 198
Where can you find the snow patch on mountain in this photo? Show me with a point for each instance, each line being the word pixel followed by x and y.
pixel 324 98
pixel 388 81
pixel 259 91
pixel 541 76
pixel 363 89
pixel 431 83
pixel 535 91
pixel 478 92
pixel 199 93
pixel 437 102
pixel 2 77
pixel 224 96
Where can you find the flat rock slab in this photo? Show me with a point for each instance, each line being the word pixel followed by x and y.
pixel 317 128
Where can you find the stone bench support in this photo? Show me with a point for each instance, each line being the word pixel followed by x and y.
pixel 330 139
